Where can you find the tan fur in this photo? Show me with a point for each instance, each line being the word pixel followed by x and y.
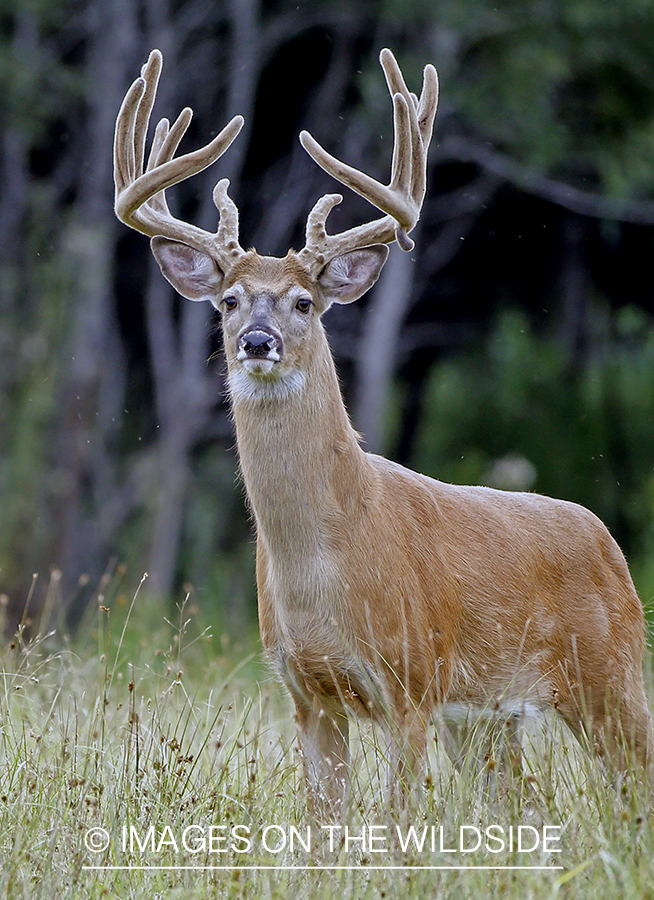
pixel 383 592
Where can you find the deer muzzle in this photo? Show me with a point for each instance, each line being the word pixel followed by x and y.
pixel 260 343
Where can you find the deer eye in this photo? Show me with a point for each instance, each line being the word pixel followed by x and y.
pixel 229 303
pixel 303 305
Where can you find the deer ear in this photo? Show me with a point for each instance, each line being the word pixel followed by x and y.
pixel 191 272
pixel 346 278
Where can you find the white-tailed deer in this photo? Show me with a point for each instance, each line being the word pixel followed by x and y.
pixel 382 592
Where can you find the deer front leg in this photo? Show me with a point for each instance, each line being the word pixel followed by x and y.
pixel 406 750
pixel 323 739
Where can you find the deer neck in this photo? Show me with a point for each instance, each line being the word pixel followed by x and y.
pixel 299 456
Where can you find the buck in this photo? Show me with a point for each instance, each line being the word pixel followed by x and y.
pixel 381 592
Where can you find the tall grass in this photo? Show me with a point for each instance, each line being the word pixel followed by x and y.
pixel 140 762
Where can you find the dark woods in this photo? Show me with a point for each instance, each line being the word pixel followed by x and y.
pixel 514 346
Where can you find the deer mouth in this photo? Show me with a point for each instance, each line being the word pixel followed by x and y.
pixel 260 344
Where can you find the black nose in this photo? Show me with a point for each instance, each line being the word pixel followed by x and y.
pixel 258 343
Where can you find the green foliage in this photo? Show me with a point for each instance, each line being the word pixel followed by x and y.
pixel 122 752
pixel 514 408
pixel 42 88
pixel 29 374
pixel 566 86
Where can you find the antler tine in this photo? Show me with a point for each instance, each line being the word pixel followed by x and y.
pixel 140 200
pixel 423 120
pixel 428 104
pixel 402 198
pixel 161 134
pixel 405 167
pixel 164 146
pixel 228 226
pixel 160 138
pixel 150 73
pixel 124 156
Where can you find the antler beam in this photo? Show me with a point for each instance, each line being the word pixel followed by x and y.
pixel 140 200
pixel 402 198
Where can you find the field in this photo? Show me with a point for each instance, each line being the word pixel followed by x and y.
pixel 147 759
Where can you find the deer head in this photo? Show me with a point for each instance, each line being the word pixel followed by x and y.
pixel 269 306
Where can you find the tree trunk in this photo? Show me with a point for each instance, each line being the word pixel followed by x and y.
pixel 375 364
pixel 91 400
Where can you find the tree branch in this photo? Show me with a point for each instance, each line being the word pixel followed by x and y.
pixel 528 179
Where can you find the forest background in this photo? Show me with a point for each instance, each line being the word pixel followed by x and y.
pixel 514 346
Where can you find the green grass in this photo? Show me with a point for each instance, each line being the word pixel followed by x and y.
pixel 154 737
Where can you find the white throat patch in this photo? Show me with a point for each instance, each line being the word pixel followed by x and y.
pixel 248 387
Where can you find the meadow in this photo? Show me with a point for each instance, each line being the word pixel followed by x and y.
pixel 147 757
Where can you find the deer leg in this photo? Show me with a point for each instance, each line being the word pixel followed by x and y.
pixel 620 730
pixel 486 741
pixel 626 734
pixel 323 739
pixel 406 751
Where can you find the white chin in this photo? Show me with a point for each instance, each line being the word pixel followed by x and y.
pixel 259 366
pixel 256 381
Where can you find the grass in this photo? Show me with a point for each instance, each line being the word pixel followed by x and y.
pixel 137 760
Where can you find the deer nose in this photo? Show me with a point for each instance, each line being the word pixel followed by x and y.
pixel 259 344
